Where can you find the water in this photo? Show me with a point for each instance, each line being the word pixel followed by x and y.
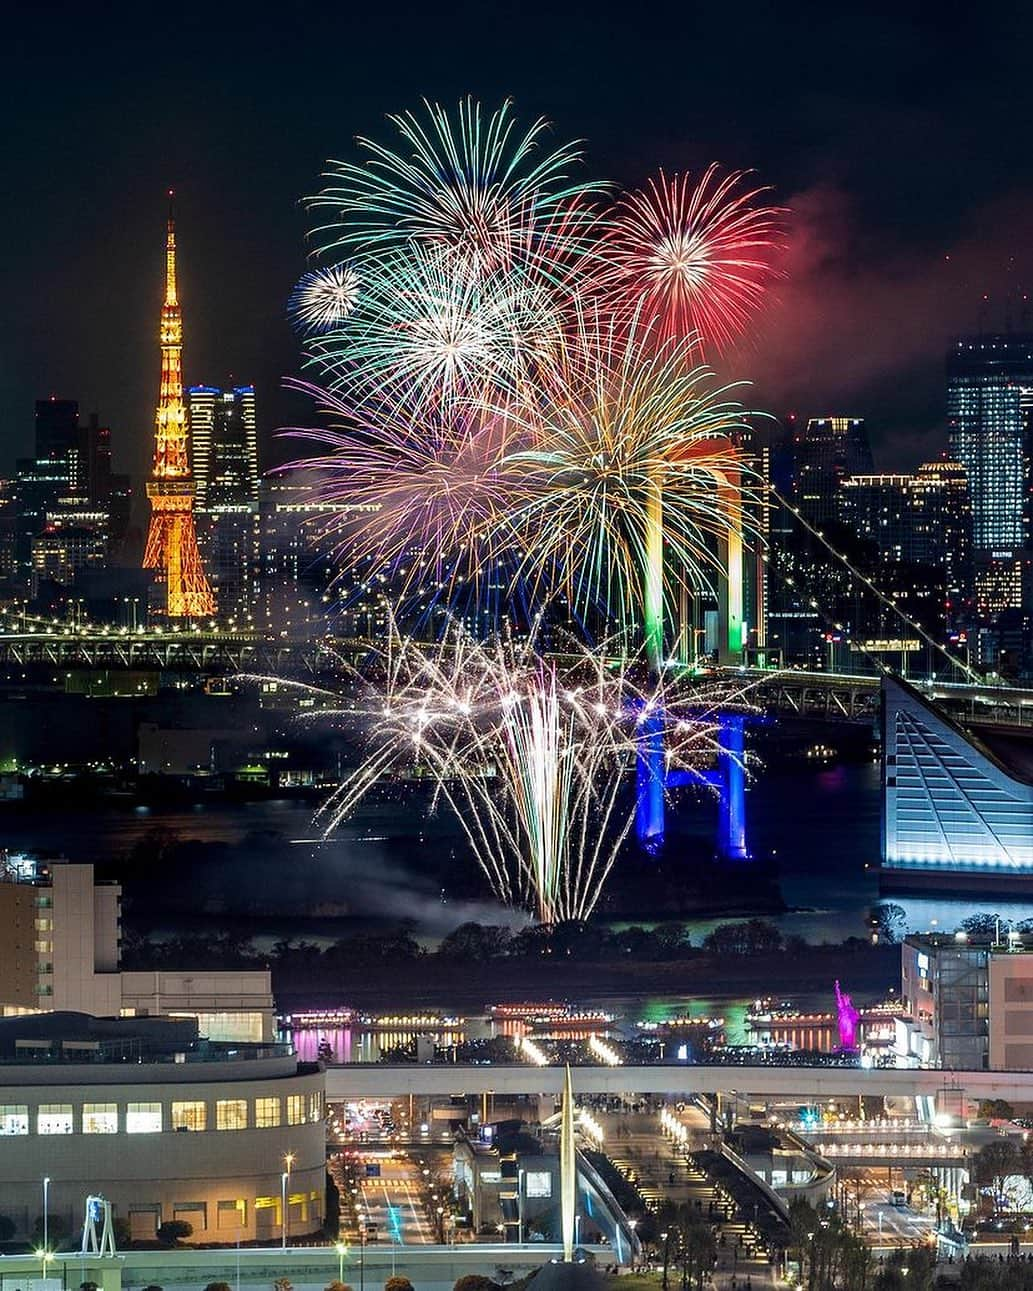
pixel 263 865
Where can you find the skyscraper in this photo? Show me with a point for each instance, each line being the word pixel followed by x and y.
pixel 57 428
pixel 989 406
pixel 990 419
pixel 225 439
pixel 172 539
pixel 826 452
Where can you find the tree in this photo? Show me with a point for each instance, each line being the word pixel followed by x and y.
pixel 338 1286
pixel 56 1226
pixel 475 941
pixel 996 1109
pixel 698 1250
pixel 980 925
pixel 754 937
pixel 398 1284
pixel 7 1228
pixel 888 920
pixel 173 1231
pixel 998 1159
pixel 217 1286
pixel 475 1282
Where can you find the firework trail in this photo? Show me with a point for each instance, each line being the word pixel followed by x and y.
pixel 695 255
pixel 532 756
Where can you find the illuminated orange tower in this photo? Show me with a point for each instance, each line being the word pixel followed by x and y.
pixel 172 538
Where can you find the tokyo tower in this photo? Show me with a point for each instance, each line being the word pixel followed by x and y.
pixel 172 538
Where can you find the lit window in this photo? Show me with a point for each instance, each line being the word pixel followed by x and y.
pixel 100 1118
pixel 295 1109
pixel 143 1118
pixel 538 1183
pixel 14 1118
pixel 189 1116
pixel 54 1118
pixel 315 1107
pixel 267 1113
pixel 232 1214
pixel 231 1114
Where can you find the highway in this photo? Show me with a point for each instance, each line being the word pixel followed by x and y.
pixel 383 1080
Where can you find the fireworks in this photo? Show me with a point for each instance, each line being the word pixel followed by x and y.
pixel 638 455
pixel 323 298
pixel 476 185
pixel 694 256
pixel 531 755
pixel 427 331
pixel 517 406
pixel 423 508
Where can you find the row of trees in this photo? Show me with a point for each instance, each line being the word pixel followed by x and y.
pixel 832 1257
pixel 469 943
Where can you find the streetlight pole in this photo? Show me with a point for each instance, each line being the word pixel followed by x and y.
pixel 46 1215
pixel 342 1251
pixel 285 1178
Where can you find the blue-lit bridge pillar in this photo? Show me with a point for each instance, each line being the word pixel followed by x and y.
pixel 650 783
pixel 728 779
pixel 731 770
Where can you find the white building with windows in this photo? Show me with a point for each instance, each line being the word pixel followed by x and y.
pixel 165 1126
pixel 61 952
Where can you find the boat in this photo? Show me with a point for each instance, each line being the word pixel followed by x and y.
pixel 557 1017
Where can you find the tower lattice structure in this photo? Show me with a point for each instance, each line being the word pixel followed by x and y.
pixel 172 537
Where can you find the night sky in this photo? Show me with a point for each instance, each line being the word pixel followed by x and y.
pixel 900 135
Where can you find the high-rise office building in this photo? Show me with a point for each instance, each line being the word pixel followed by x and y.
pixel 990 419
pixel 298 571
pixel 942 496
pixel 57 428
pixel 824 453
pixel 225 441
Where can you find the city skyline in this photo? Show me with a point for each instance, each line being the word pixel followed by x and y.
pixel 892 251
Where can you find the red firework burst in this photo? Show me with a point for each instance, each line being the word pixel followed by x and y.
pixel 692 255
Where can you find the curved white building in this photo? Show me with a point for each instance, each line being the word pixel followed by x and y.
pixel 163 1125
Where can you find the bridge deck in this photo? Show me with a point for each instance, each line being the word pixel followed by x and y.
pixel 380 1080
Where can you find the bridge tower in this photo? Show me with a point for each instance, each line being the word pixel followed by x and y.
pixel 172 538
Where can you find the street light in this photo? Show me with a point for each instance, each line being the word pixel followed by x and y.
pixel 285 1178
pixel 43 1256
pixel 46 1216
pixel 342 1251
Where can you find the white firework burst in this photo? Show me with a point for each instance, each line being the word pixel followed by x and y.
pixel 323 298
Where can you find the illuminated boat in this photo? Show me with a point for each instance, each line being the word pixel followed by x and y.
pixel 557 1017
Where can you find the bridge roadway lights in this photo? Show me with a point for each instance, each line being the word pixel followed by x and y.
pixel 381 1080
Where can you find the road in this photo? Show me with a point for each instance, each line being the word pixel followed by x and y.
pixel 386 1191
pixel 894 1225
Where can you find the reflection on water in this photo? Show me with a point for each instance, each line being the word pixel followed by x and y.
pixel 821 826
pixel 364 1044
pixel 363 1041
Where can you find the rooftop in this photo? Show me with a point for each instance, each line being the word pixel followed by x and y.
pixel 77 1038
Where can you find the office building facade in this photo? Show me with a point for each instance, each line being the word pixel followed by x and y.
pixel 990 420
pixel 224 433
pixel 61 953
